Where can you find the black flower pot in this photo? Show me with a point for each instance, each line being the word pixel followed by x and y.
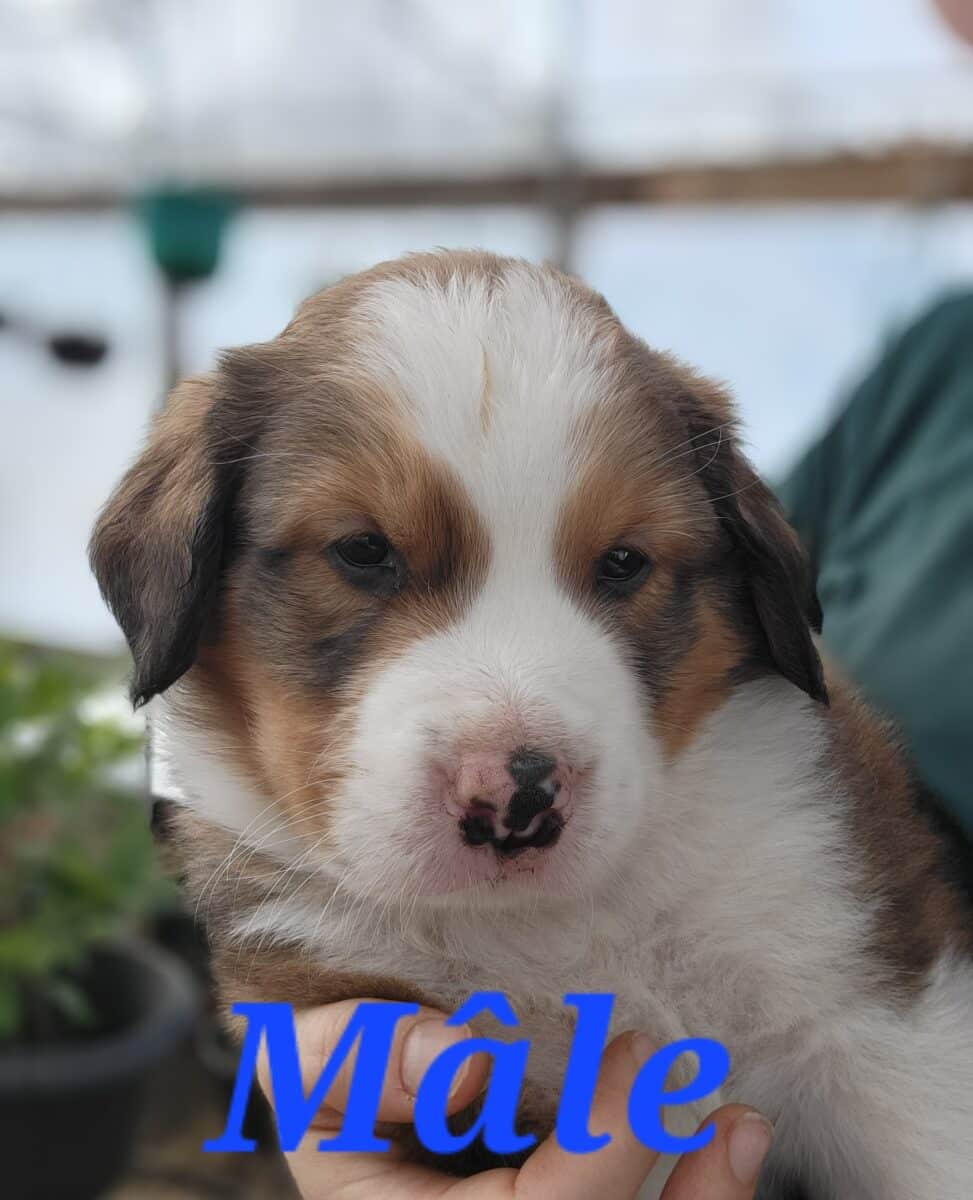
pixel 68 1110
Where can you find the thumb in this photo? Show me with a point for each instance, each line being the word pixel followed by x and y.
pixel 728 1168
pixel 418 1039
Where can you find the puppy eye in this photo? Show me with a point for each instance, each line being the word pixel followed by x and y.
pixel 621 569
pixel 363 550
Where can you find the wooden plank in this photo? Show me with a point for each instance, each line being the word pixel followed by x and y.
pixel 913 173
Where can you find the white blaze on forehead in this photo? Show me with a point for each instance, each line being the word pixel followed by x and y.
pixel 494 375
pixel 524 664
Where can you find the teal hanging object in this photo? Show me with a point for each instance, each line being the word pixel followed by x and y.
pixel 186 229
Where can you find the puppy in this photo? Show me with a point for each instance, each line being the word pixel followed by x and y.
pixel 485 661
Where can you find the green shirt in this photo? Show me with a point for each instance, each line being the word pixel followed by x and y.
pixel 884 504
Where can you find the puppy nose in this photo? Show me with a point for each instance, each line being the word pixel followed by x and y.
pixel 530 766
pixel 511 801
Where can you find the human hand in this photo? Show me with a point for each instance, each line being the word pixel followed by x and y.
pixel 725 1169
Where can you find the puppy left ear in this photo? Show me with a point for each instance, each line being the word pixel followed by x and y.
pixel 158 545
pixel 775 566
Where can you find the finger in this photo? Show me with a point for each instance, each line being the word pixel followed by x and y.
pixel 729 1166
pixel 618 1169
pixel 417 1041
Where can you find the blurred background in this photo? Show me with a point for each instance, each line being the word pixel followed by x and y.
pixel 765 186
pixel 770 188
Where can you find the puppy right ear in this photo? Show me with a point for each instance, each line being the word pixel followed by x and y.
pixel 158 546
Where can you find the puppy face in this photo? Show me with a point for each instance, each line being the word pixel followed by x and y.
pixel 446 576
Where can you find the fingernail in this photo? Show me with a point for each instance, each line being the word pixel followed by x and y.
pixel 750 1140
pixel 643 1048
pixel 424 1041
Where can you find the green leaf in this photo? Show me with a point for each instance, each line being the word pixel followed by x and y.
pixel 77 864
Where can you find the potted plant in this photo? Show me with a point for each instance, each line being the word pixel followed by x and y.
pixel 86 1007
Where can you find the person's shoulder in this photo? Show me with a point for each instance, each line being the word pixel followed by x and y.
pixel 950 314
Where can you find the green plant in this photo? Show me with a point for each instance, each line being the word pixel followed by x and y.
pixel 76 855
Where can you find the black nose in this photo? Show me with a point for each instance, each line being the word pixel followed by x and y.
pixel 530 820
pixel 529 767
pixel 524 806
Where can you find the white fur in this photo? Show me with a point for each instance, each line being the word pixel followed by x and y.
pixel 716 897
pixel 201 768
pixel 731 915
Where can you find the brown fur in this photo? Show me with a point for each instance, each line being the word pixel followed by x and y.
pixel 701 681
pixel 920 912
pixel 163 501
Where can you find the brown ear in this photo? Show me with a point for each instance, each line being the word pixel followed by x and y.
pixel 775 566
pixel 158 545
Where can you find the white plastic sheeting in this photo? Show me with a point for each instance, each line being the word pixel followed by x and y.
pixel 121 92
